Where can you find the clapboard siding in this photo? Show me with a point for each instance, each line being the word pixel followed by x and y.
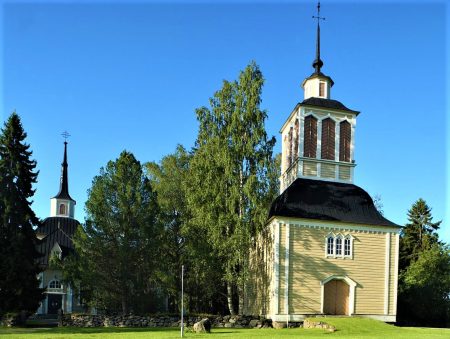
pixel 328 171
pixel 392 275
pixel 309 267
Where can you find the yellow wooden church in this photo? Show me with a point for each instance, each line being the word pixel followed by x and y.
pixel 326 249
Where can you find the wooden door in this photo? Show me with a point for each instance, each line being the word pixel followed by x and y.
pixel 336 297
pixel 54 303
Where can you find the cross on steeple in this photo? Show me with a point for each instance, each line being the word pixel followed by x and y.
pixel 65 135
pixel 317 64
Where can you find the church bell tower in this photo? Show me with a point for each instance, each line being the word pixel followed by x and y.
pixel 318 136
pixel 62 205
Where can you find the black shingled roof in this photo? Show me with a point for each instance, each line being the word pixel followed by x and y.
pixel 56 230
pixel 327 103
pixel 330 201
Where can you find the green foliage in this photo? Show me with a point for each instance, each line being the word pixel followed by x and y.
pixel 424 281
pixel 181 244
pixel 232 175
pixel 118 251
pixel 425 288
pixel 419 234
pixel 19 287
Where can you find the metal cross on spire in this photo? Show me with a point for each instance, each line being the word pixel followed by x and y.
pixel 318 17
pixel 65 135
pixel 317 64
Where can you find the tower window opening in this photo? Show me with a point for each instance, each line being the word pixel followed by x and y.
pixel 345 141
pixel 290 147
pixel 328 139
pixel 310 142
pixel 296 137
pixel 62 209
pixel 321 89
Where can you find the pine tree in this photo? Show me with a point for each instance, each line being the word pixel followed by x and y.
pixel 19 284
pixel 230 190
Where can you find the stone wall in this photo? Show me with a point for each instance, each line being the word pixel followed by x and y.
pixel 84 320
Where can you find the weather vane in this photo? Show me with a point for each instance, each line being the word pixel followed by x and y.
pixel 65 135
pixel 318 17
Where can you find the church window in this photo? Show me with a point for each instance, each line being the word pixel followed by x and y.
pixel 310 139
pixel 344 142
pixel 55 284
pixel 328 139
pixel 348 246
pixel 330 245
pixel 62 209
pixel 338 246
pixel 321 89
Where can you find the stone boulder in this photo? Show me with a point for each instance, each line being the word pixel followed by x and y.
pixel 203 326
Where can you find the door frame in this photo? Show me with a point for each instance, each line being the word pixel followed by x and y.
pixel 352 287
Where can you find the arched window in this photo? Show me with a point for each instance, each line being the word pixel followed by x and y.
pixel 330 245
pixel 345 137
pixel 62 209
pixel 328 139
pixel 55 284
pixel 290 147
pixel 296 137
pixel 338 245
pixel 310 140
pixel 348 244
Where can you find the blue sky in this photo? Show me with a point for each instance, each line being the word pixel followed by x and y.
pixel 120 75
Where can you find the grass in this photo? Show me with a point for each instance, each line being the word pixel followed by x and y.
pixel 346 328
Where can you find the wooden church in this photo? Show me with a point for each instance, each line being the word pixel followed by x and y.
pixel 326 249
pixel 55 238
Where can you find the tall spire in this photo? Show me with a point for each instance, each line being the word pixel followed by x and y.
pixel 64 182
pixel 318 63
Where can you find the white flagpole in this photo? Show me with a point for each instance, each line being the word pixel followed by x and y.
pixel 182 297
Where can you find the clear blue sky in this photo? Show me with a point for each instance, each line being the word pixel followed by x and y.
pixel 129 76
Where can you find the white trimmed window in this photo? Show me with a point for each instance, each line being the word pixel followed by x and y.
pixel 330 244
pixel 55 284
pixel 339 246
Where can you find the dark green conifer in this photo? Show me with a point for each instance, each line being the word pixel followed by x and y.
pixel 19 284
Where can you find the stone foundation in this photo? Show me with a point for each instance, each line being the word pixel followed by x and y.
pixel 85 320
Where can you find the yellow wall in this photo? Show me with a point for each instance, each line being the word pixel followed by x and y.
pixel 308 266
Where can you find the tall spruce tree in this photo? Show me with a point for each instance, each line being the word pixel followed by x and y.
pixel 229 191
pixel 424 265
pixel 419 234
pixel 118 251
pixel 19 285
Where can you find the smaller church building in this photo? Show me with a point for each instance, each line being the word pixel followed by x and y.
pixel 55 239
pixel 326 249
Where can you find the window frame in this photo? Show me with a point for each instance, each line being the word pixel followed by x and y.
pixel 332 248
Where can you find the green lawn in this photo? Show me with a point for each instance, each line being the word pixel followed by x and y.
pixel 346 328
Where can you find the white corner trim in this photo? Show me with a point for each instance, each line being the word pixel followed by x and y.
pixel 352 287
pixel 277 268
pixel 286 270
pixel 397 252
pixel 387 259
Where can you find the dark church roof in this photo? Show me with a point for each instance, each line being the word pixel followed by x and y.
pixel 327 103
pixel 56 230
pixel 330 201
pixel 64 183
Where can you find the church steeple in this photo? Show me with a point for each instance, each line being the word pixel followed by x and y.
pixel 64 184
pixel 317 85
pixel 62 204
pixel 318 63
pixel 318 136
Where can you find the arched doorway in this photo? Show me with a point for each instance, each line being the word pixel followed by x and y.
pixel 336 297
